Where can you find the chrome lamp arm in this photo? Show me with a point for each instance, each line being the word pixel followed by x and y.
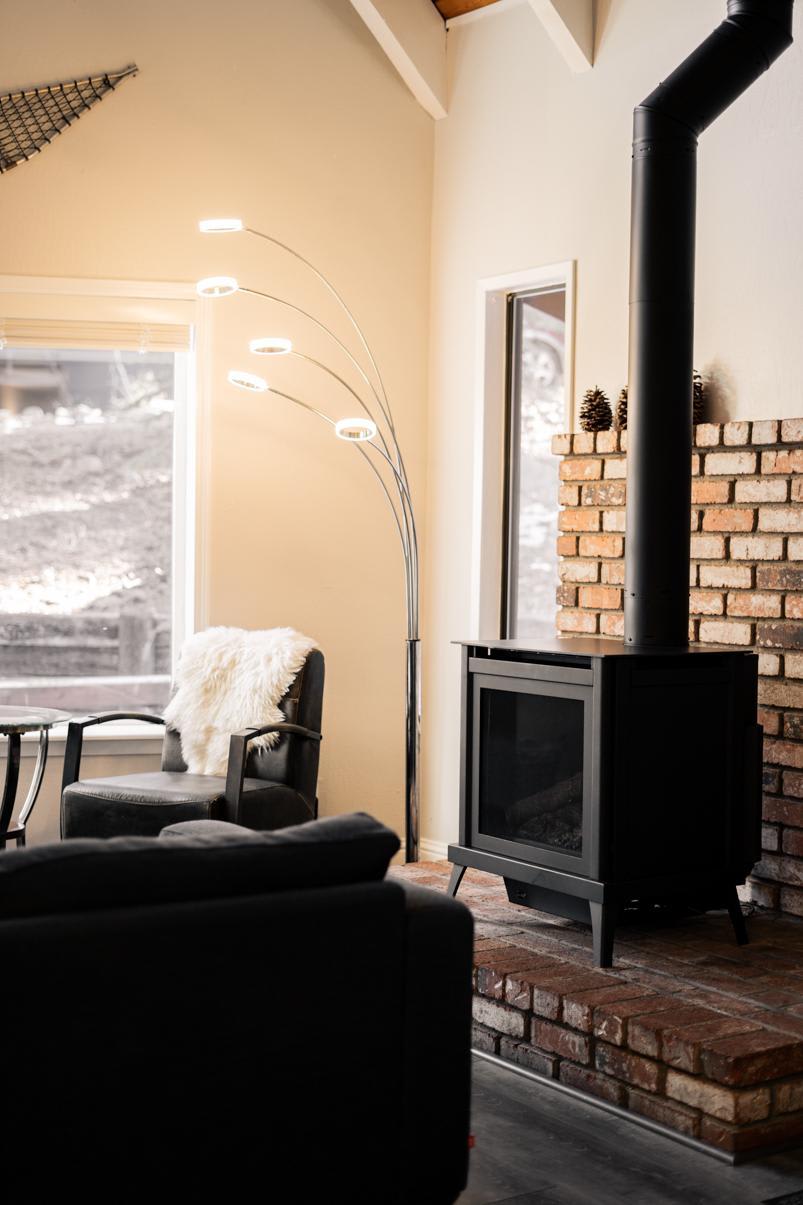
pixel 386 451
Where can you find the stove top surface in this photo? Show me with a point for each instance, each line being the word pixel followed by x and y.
pixel 593 646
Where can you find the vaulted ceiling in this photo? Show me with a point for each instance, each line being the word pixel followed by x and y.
pixel 413 36
pixel 456 8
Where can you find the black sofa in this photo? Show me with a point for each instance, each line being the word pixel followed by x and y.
pixel 226 1015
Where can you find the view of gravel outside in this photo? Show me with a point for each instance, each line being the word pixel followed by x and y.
pixel 86 468
pixel 539 411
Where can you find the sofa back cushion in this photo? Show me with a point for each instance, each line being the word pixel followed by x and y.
pixel 200 860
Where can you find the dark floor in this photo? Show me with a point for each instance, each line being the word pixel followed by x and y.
pixel 535 1146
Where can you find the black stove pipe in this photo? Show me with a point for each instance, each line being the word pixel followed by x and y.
pixel 665 131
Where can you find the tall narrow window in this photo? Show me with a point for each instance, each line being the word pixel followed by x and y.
pixel 89 513
pixel 536 409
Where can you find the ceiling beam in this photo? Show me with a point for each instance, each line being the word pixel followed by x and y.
pixel 570 24
pixel 449 9
pixel 413 36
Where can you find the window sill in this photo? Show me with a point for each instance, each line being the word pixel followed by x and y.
pixel 122 730
pixel 119 737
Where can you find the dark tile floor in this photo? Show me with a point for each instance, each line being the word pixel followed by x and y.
pixel 535 1146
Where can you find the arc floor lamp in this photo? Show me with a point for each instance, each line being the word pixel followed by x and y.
pixel 373 434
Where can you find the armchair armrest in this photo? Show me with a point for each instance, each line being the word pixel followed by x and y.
pixel 75 737
pixel 15 833
pixel 248 734
pixel 238 755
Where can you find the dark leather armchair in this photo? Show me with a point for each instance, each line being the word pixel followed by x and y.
pixel 264 788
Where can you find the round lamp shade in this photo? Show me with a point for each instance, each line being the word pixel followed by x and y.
pixel 216 286
pixel 355 429
pixel 271 345
pixel 220 225
pixel 247 380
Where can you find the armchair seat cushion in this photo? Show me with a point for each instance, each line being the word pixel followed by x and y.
pixel 154 787
pixel 143 804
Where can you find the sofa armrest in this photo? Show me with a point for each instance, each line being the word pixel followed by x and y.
pixel 437 1044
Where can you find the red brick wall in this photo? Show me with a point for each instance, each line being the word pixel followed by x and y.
pixel 746 589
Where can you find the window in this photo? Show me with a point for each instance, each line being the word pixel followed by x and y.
pixel 536 410
pixel 94 422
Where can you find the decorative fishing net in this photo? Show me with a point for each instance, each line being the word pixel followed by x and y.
pixel 30 120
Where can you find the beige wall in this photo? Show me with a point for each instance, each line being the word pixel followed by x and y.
pixel 533 168
pixel 289 115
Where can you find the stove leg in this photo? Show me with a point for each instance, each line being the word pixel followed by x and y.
pixel 455 879
pixel 737 918
pixel 603 923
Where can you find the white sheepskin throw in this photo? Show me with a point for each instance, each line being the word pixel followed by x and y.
pixel 229 679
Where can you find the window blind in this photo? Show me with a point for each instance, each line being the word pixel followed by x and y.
pixel 81 333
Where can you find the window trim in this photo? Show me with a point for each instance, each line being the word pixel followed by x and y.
pixel 490 432
pixel 514 320
pixel 156 302
pixel 512 442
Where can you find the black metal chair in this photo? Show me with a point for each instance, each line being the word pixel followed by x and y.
pixel 263 789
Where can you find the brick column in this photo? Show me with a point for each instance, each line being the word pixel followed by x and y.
pixel 746 588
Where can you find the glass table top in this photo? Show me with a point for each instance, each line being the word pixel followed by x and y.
pixel 29 719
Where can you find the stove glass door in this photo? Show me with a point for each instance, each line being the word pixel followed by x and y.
pixel 530 767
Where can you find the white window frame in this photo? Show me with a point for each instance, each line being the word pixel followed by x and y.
pixel 490 406
pixel 156 302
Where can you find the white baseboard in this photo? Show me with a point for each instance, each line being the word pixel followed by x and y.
pixel 432 851
pixel 428 851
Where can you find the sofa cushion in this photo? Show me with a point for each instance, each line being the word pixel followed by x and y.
pixel 81 875
pixel 209 831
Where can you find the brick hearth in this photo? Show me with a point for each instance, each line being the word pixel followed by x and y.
pixel 746 589
pixel 687 1029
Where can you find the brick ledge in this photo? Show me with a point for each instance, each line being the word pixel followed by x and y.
pixel 687 1030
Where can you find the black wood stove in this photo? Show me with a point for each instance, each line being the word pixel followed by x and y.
pixel 596 772
pixel 594 776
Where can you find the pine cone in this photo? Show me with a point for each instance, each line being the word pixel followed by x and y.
pixel 595 412
pixel 620 421
pixel 698 398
